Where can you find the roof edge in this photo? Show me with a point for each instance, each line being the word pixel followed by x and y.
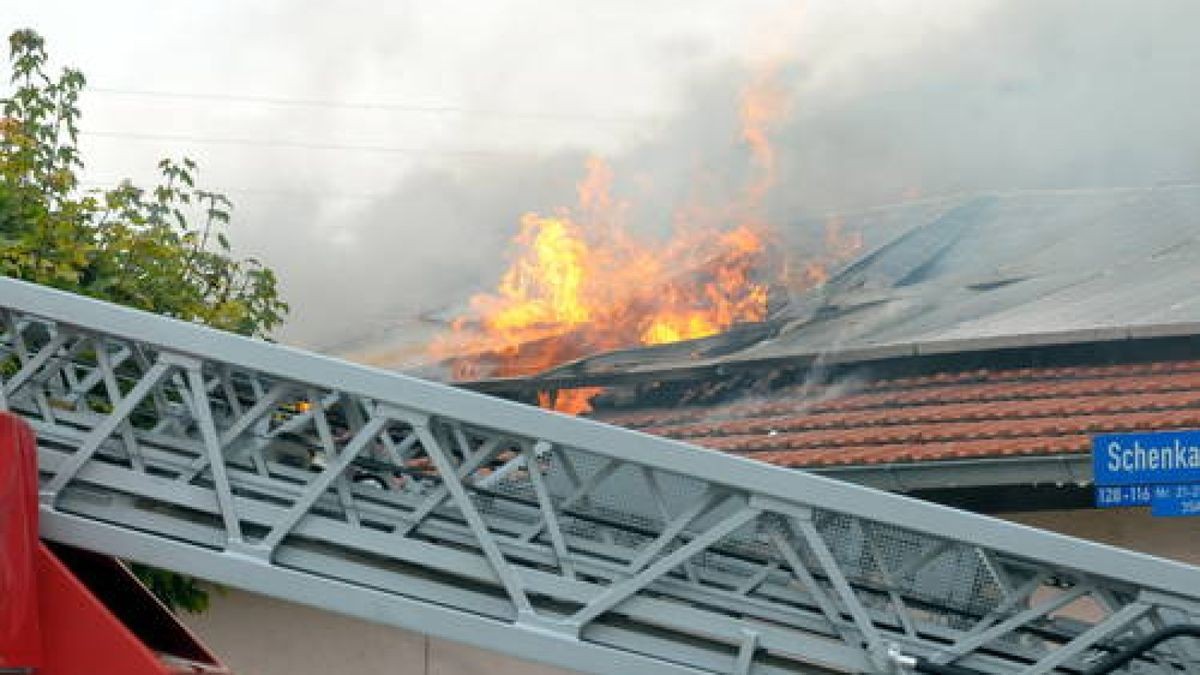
pixel 838 357
pixel 1065 469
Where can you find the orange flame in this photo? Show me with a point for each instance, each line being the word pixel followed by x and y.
pixel 763 103
pixel 840 245
pixel 580 282
pixel 570 401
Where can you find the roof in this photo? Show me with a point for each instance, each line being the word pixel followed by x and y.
pixel 981 341
pixel 941 416
pixel 968 270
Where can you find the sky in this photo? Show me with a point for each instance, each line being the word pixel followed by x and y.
pixel 380 154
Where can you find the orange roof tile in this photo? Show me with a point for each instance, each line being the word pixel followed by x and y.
pixel 939 416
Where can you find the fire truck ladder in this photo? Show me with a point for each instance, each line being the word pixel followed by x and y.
pixel 547 537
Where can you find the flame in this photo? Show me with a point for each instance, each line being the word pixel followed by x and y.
pixel 580 281
pixel 763 104
pixel 570 401
pixel 839 244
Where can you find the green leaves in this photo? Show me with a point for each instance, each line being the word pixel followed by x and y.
pixel 150 255
pixel 164 250
pixel 185 593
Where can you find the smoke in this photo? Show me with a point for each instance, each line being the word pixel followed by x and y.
pixel 1035 95
pixel 889 100
pixel 1027 95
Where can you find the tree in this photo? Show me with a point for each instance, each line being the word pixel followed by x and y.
pixel 126 245
pixel 163 250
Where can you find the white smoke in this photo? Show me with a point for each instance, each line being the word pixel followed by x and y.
pixel 890 99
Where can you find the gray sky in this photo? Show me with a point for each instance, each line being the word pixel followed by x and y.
pixel 380 153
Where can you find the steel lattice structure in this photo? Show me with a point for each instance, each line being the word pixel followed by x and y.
pixel 548 537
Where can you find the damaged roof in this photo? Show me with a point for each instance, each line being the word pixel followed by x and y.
pixel 980 271
pixel 980 341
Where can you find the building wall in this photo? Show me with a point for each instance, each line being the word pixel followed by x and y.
pixel 256 635
pixel 1134 529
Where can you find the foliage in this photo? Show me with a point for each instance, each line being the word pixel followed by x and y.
pixel 175 590
pixel 163 250
pixel 125 245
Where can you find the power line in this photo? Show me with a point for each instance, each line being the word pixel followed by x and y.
pixel 304 145
pixel 389 107
pixel 255 191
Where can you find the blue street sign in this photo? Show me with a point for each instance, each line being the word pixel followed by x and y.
pixel 1156 458
pixel 1176 500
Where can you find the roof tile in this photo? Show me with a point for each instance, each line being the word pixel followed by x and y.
pixel 944 415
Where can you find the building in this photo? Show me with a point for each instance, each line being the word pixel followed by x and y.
pixel 966 358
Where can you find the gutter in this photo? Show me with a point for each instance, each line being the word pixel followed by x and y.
pixel 1059 470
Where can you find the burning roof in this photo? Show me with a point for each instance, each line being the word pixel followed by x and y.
pixel 979 345
pixel 580 281
pixel 963 273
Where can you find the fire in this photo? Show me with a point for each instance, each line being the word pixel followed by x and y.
pixel 581 282
pixel 763 104
pixel 839 246
pixel 570 401
pixel 543 290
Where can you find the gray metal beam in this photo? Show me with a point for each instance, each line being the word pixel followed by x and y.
pixel 352 600
pixel 620 444
pixel 657 556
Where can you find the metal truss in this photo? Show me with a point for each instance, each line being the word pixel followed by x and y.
pixel 548 537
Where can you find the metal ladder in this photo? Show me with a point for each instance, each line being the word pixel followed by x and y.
pixel 543 536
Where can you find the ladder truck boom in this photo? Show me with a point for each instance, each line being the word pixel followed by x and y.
pixel 528 532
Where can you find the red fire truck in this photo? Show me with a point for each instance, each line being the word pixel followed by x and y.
pixel 67 611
